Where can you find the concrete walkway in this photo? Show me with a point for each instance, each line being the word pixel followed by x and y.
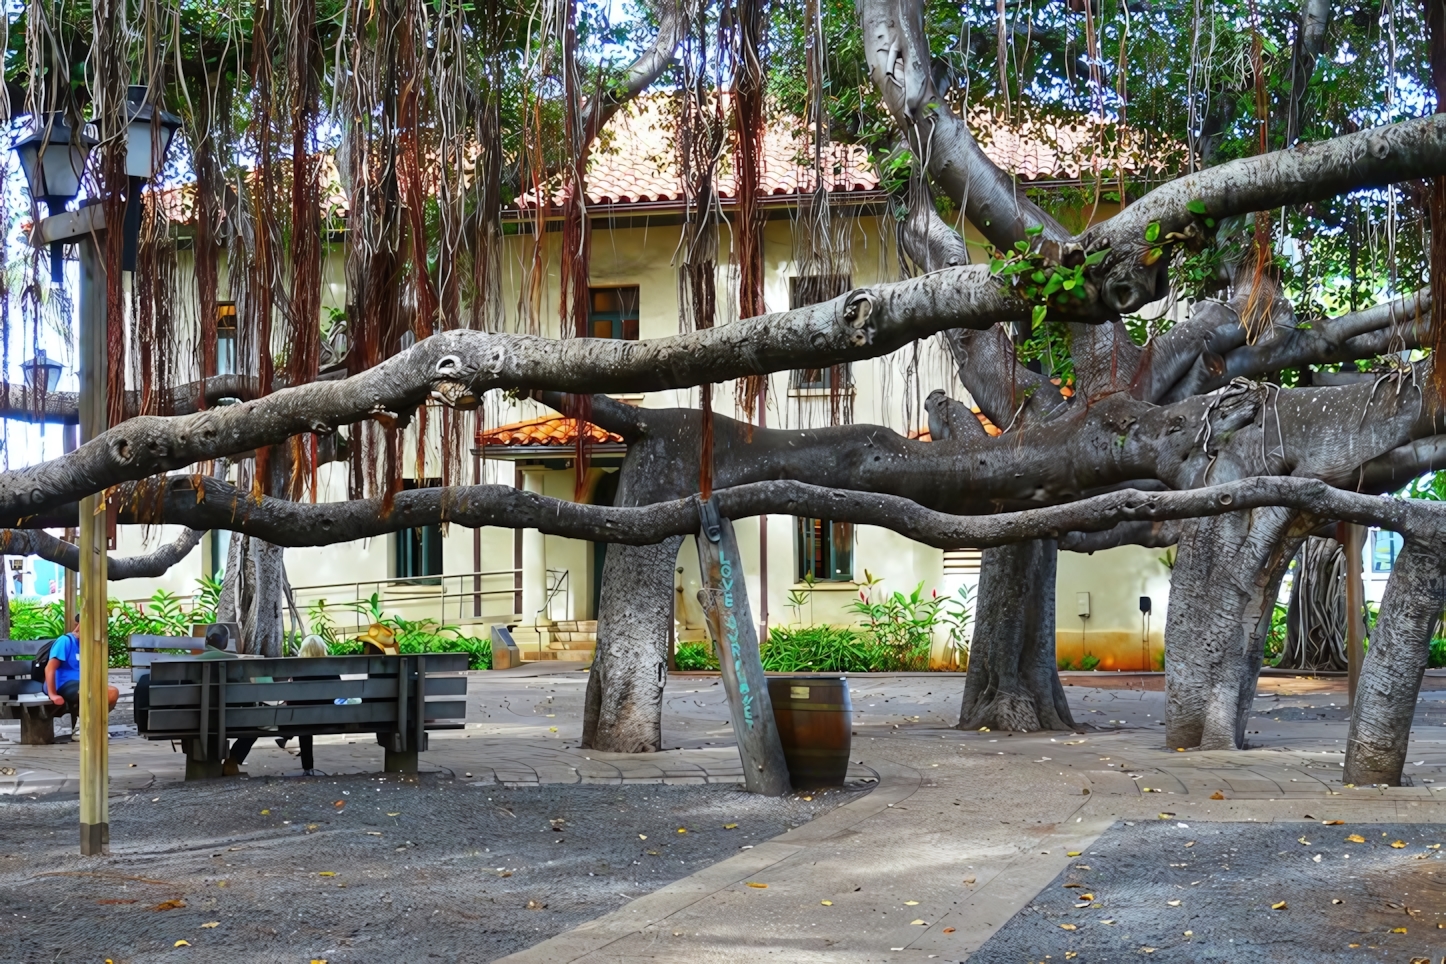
pixel 963 829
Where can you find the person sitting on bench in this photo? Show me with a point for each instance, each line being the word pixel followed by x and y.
pixel 62 676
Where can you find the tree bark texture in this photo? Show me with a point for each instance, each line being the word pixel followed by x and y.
pixel 1391 674
pixel 1316 619
pixel 724 598
pixel 1013 681
pixel 623 709
pixel 1222 593
pixel 252 594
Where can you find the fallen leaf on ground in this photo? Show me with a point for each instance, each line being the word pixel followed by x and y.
pixel 642 836
pixel 1108 921
pixel 264 813
pixel 1166 816
pixel 397 814
pixel 1278 906
pixel 968 880
pixel 730 826
pixel 911 903
pixel 1398 930
pixel 181 944
pixel 1398 845
pixel 1337 900
pixel 326 873
pixel 1333 823
pixel 115 900
pixel 918 921
pixel 759 886
pixel 948 930
pixel 536 905
pixel 682 830
pixel 1355 838
pixel 826 903
pixel 1067 927
pixel 1316 858
pixel 1303 841
pixel 210 924
pixel 1173 903
pixel 505 873
pixel 1072 853
pixel 374 833
pixel 552 729
pixel 170 904
pixel 1217 795
pixel 339 803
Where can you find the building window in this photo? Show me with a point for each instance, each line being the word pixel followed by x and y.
pixel 825 550
pixel 821 379
pixel 226 339
pixel 613 312
pixel 1385 546
pixel 417 552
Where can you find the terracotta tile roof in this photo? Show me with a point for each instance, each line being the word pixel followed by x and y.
pixel 555 431
pixel 179 202
pixel 636 160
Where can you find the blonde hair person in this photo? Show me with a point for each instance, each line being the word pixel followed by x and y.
pixel 312 647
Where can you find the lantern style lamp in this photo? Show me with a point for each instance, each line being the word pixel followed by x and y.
pixel 53 159
pixel 149 132
pixel 41 374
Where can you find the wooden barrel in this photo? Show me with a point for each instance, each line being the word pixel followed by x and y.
pixel 814 717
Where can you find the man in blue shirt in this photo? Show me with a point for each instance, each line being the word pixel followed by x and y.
pixel 62 674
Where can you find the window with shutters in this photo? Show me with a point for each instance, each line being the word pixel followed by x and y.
pixel 824 550
pixel 962 562
pixel 613 312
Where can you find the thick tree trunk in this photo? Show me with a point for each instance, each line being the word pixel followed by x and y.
pixel 624 708
pixel 1391 674
pixel 1013 682
pixel 1316 622
pixel 261 624
pixel 252 594
pixel 1222 594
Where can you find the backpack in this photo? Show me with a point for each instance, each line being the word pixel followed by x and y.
pixel 42 658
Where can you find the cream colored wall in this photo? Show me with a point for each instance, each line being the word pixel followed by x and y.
pixel 887 391
pixel 1115 580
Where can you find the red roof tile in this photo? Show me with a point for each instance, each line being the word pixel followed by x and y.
pixel 555 431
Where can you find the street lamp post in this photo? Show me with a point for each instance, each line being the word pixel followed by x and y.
pixel 147 138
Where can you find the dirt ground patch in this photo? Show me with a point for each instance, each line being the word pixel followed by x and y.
pixel 359 869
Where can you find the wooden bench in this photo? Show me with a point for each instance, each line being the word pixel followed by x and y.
pixel 144 650
pixel 203 703
pixel 23 697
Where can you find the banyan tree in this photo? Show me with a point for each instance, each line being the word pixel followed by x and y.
pixel 1224 348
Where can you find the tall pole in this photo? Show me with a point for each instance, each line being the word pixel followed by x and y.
pixel 68 434
pixel 1352 540
pixel 94 646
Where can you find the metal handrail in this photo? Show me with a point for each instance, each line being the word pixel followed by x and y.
pixel 438 582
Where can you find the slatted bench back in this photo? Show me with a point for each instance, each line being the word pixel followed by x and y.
pixel 15 666
pixel 212 699
pixel 145 649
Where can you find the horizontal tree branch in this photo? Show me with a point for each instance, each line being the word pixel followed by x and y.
pixel 459 366
pixel 222 506
pixel 151 565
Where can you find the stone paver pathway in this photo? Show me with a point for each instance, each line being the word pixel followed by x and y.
pixel 963 829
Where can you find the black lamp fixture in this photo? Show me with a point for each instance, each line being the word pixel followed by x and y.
pixel 149 132
pixel 41 374
pixel 53 159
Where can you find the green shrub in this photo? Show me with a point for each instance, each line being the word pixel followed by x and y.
pixel 1437 657
pixel 826 649
pixel 695 656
